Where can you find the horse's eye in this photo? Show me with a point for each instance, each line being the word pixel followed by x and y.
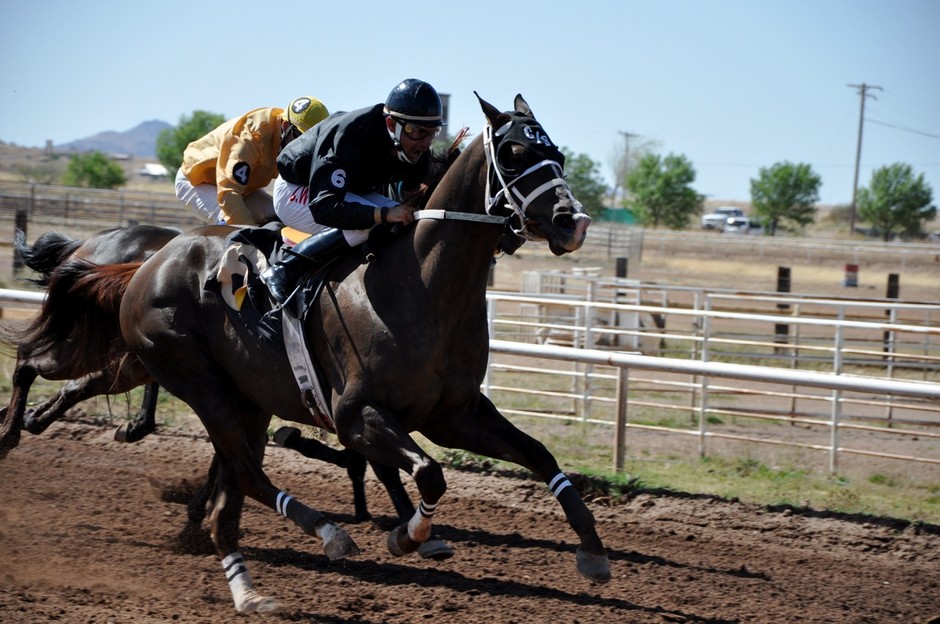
pixel 514 156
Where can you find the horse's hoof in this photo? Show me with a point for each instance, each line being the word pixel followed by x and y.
pixel 400 543
pixel 285 435
pixel 340 546
pixel 253 602
pixel 32 424
pixel 436 549
pixel 594 567
pixel 10 439
pixel 120 435
pixel 130 434
pixel 9 442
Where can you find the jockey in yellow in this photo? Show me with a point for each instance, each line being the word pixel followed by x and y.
pixel 224 173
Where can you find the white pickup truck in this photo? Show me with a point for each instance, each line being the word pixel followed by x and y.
pixel 716 219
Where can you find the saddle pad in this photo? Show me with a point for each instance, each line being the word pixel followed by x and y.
pixel 239 262
pixel 238 283
pixel 293 236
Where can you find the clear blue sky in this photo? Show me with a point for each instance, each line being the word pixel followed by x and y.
pixel 732 85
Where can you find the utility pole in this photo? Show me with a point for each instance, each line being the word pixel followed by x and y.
pixel 623 168
pixel 863 91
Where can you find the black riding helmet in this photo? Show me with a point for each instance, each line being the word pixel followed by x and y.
pixel 413 104
pixel 415 101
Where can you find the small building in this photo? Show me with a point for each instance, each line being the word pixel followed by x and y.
pixel 153 170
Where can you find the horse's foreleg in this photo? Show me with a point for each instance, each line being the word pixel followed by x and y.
pixel 487 432
pixel 433 547
pixel 391 479
pixel 356 471
pixel 132 373
pixel 145 422
pixel 374 433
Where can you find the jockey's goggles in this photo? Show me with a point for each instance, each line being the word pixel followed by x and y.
pixel 420 133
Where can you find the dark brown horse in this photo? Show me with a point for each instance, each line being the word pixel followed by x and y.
pixel 403 342
pixel 40 351
pixel 50 348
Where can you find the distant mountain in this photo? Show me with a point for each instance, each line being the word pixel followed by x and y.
pixel 140 141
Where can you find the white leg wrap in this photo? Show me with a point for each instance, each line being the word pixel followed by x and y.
pixel 283 498
pixel 327 532
pixel 558 483
pixel 419 527
pixel 246 599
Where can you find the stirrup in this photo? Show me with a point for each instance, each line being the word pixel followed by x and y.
pixel 269 277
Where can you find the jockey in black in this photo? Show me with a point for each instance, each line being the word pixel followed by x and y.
pixel 348 161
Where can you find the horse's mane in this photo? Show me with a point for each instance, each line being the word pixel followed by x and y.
pixel 440 162
pixel 81 309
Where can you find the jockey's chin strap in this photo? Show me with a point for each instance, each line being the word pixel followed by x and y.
pixel 508 192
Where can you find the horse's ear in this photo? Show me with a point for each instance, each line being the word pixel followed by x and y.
pixel 523 107
pixel 497 119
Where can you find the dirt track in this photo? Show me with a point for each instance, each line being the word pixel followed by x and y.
pixel 84 539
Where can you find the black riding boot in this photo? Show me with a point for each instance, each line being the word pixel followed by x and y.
pixel 281 279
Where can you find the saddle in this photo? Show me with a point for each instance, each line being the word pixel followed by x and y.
pixel 237 281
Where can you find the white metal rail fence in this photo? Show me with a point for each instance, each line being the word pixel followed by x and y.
pixel 879 379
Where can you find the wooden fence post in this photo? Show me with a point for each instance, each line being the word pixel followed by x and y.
pixel 782 330
pixel 21 219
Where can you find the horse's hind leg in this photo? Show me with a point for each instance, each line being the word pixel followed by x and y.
pixel 114 379
pixel 489 433
pixel 238 433
pixel 24 374
pixel 193 539
pixel 73 392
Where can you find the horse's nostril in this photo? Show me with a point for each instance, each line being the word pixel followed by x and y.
pixel 563 221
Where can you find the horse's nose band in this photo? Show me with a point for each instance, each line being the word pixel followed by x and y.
pixel 515 200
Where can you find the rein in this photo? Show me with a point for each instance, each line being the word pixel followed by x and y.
pixel 452 215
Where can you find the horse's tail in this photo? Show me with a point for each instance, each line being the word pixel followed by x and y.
pixel 48 252
pixel 79 322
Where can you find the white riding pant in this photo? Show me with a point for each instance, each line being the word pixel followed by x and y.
pixel 290 205
pixel 203 201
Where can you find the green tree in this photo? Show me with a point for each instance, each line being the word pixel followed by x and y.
pixel 896 201
pixel 94 170
pixel 584 179
pixel 785 195
pixel 661 191
pixel 172 141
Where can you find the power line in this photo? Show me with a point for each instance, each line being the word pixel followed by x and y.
pixel 912 130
